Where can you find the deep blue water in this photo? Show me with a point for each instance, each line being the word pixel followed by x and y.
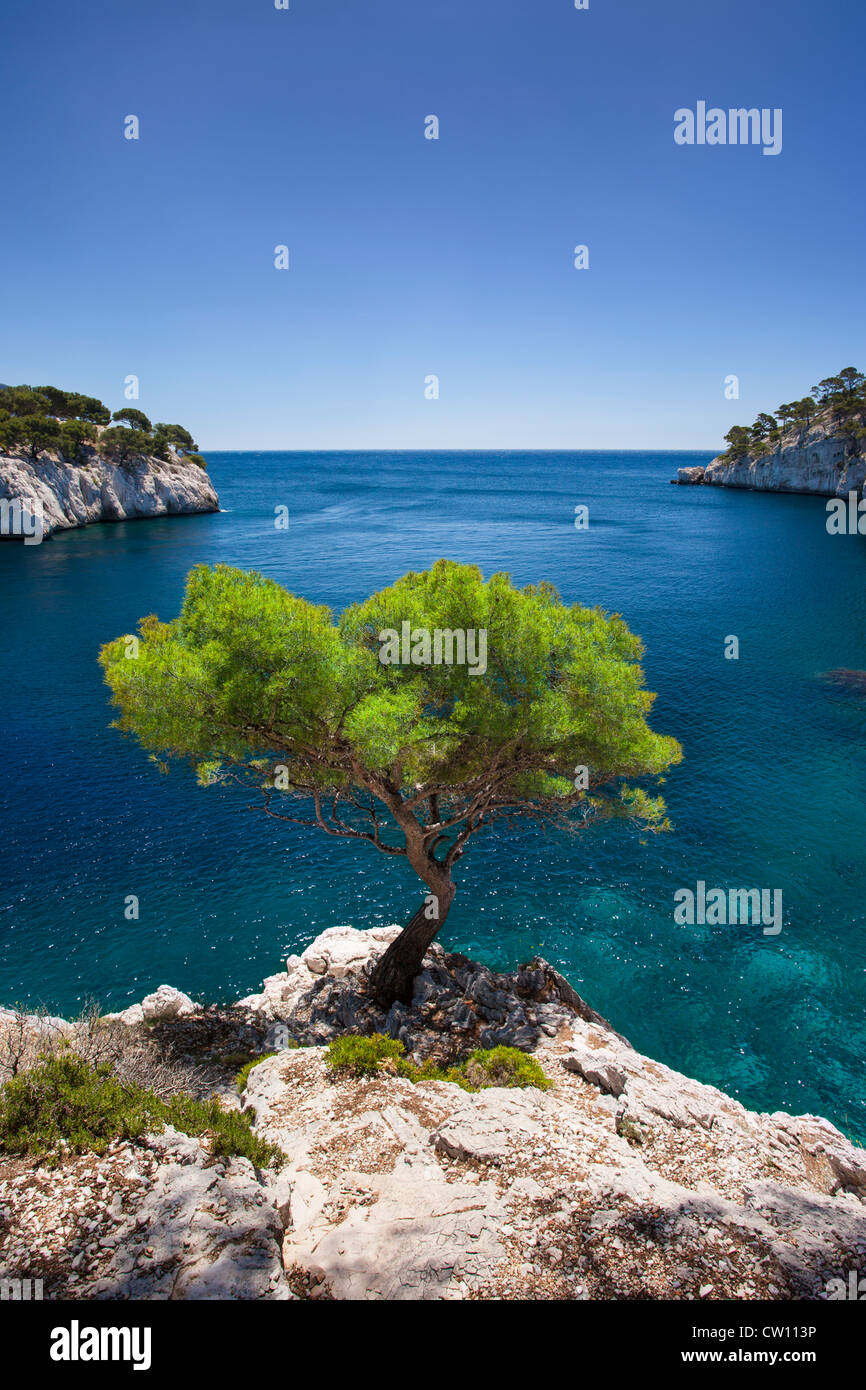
pixel 771 792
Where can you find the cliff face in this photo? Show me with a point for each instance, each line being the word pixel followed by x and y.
pixel 814 460
pixel 97 489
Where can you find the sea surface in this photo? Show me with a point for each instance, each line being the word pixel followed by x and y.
pixel 771 792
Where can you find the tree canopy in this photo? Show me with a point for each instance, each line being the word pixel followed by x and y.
pixel 65 422
pixel 841 399
pixel 261 688
pixel 135 419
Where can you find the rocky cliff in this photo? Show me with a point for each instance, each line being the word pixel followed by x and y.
pixel 816 460
pixel 64 496
pixel 624 1179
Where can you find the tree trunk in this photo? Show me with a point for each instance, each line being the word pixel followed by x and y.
pixel 394 976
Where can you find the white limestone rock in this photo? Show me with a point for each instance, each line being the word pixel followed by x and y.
pixel 166 1002
pixel 97 489
pixel 814 460
pixel 338 952
pixel 200 1231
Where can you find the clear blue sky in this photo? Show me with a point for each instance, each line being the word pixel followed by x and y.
pixel 411 257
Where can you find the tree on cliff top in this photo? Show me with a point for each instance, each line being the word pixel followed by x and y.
pixel 840 399
pixel 135 419
pixel 259 687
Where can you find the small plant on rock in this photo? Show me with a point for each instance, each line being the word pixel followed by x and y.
pixel 377 1055
pixel 357 1056
pixel 504 1066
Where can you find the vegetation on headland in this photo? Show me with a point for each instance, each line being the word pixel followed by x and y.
pixel 66 423
pixel 65 1103
pixel 261 689
pixel 82 1096
pixel 378 1055
pixel 839 401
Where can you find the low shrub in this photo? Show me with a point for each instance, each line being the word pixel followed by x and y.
pixel 228 1131
pixel 66 1102
pixel 504 1066
pixel 360 1056
pixel 353 1055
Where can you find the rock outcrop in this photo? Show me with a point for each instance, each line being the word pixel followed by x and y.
pixel 624 1179
pixel 816 460
pixel 458 1004
pixel 155 1219
pixel 165 1003
pixel 64 496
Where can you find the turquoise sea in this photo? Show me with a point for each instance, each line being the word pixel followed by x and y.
pixel 771 792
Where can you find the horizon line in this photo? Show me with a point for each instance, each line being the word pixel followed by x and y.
pixel 480 449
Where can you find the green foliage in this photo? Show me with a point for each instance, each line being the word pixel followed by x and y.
pixel 23 400
pixel 124 444
pixel 739 441
pixel 250 676
pixel 257 687
pixel 158 447
pixel 839 399
pixel 59 403
pixel 11 434
pixel 176 435
pixel 89 408
pixel 504 1066
pixel 378 1055
pixel 228 1132
pixel 135 419
pixel 46 417
pixel 198 460
pixel 39 432
pixel 52 401
pixel 764 425
pixel 73 435
pixel 65 1102
pixel 363 1056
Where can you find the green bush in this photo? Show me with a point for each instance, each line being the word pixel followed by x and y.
pixel 372 1056
pixel 65 1102
pixel 73 435
pixel 64 1099
pixel 39 432
pixel 11 433
pixel 504 1066
pixel 228 1131
pixel 364 1056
